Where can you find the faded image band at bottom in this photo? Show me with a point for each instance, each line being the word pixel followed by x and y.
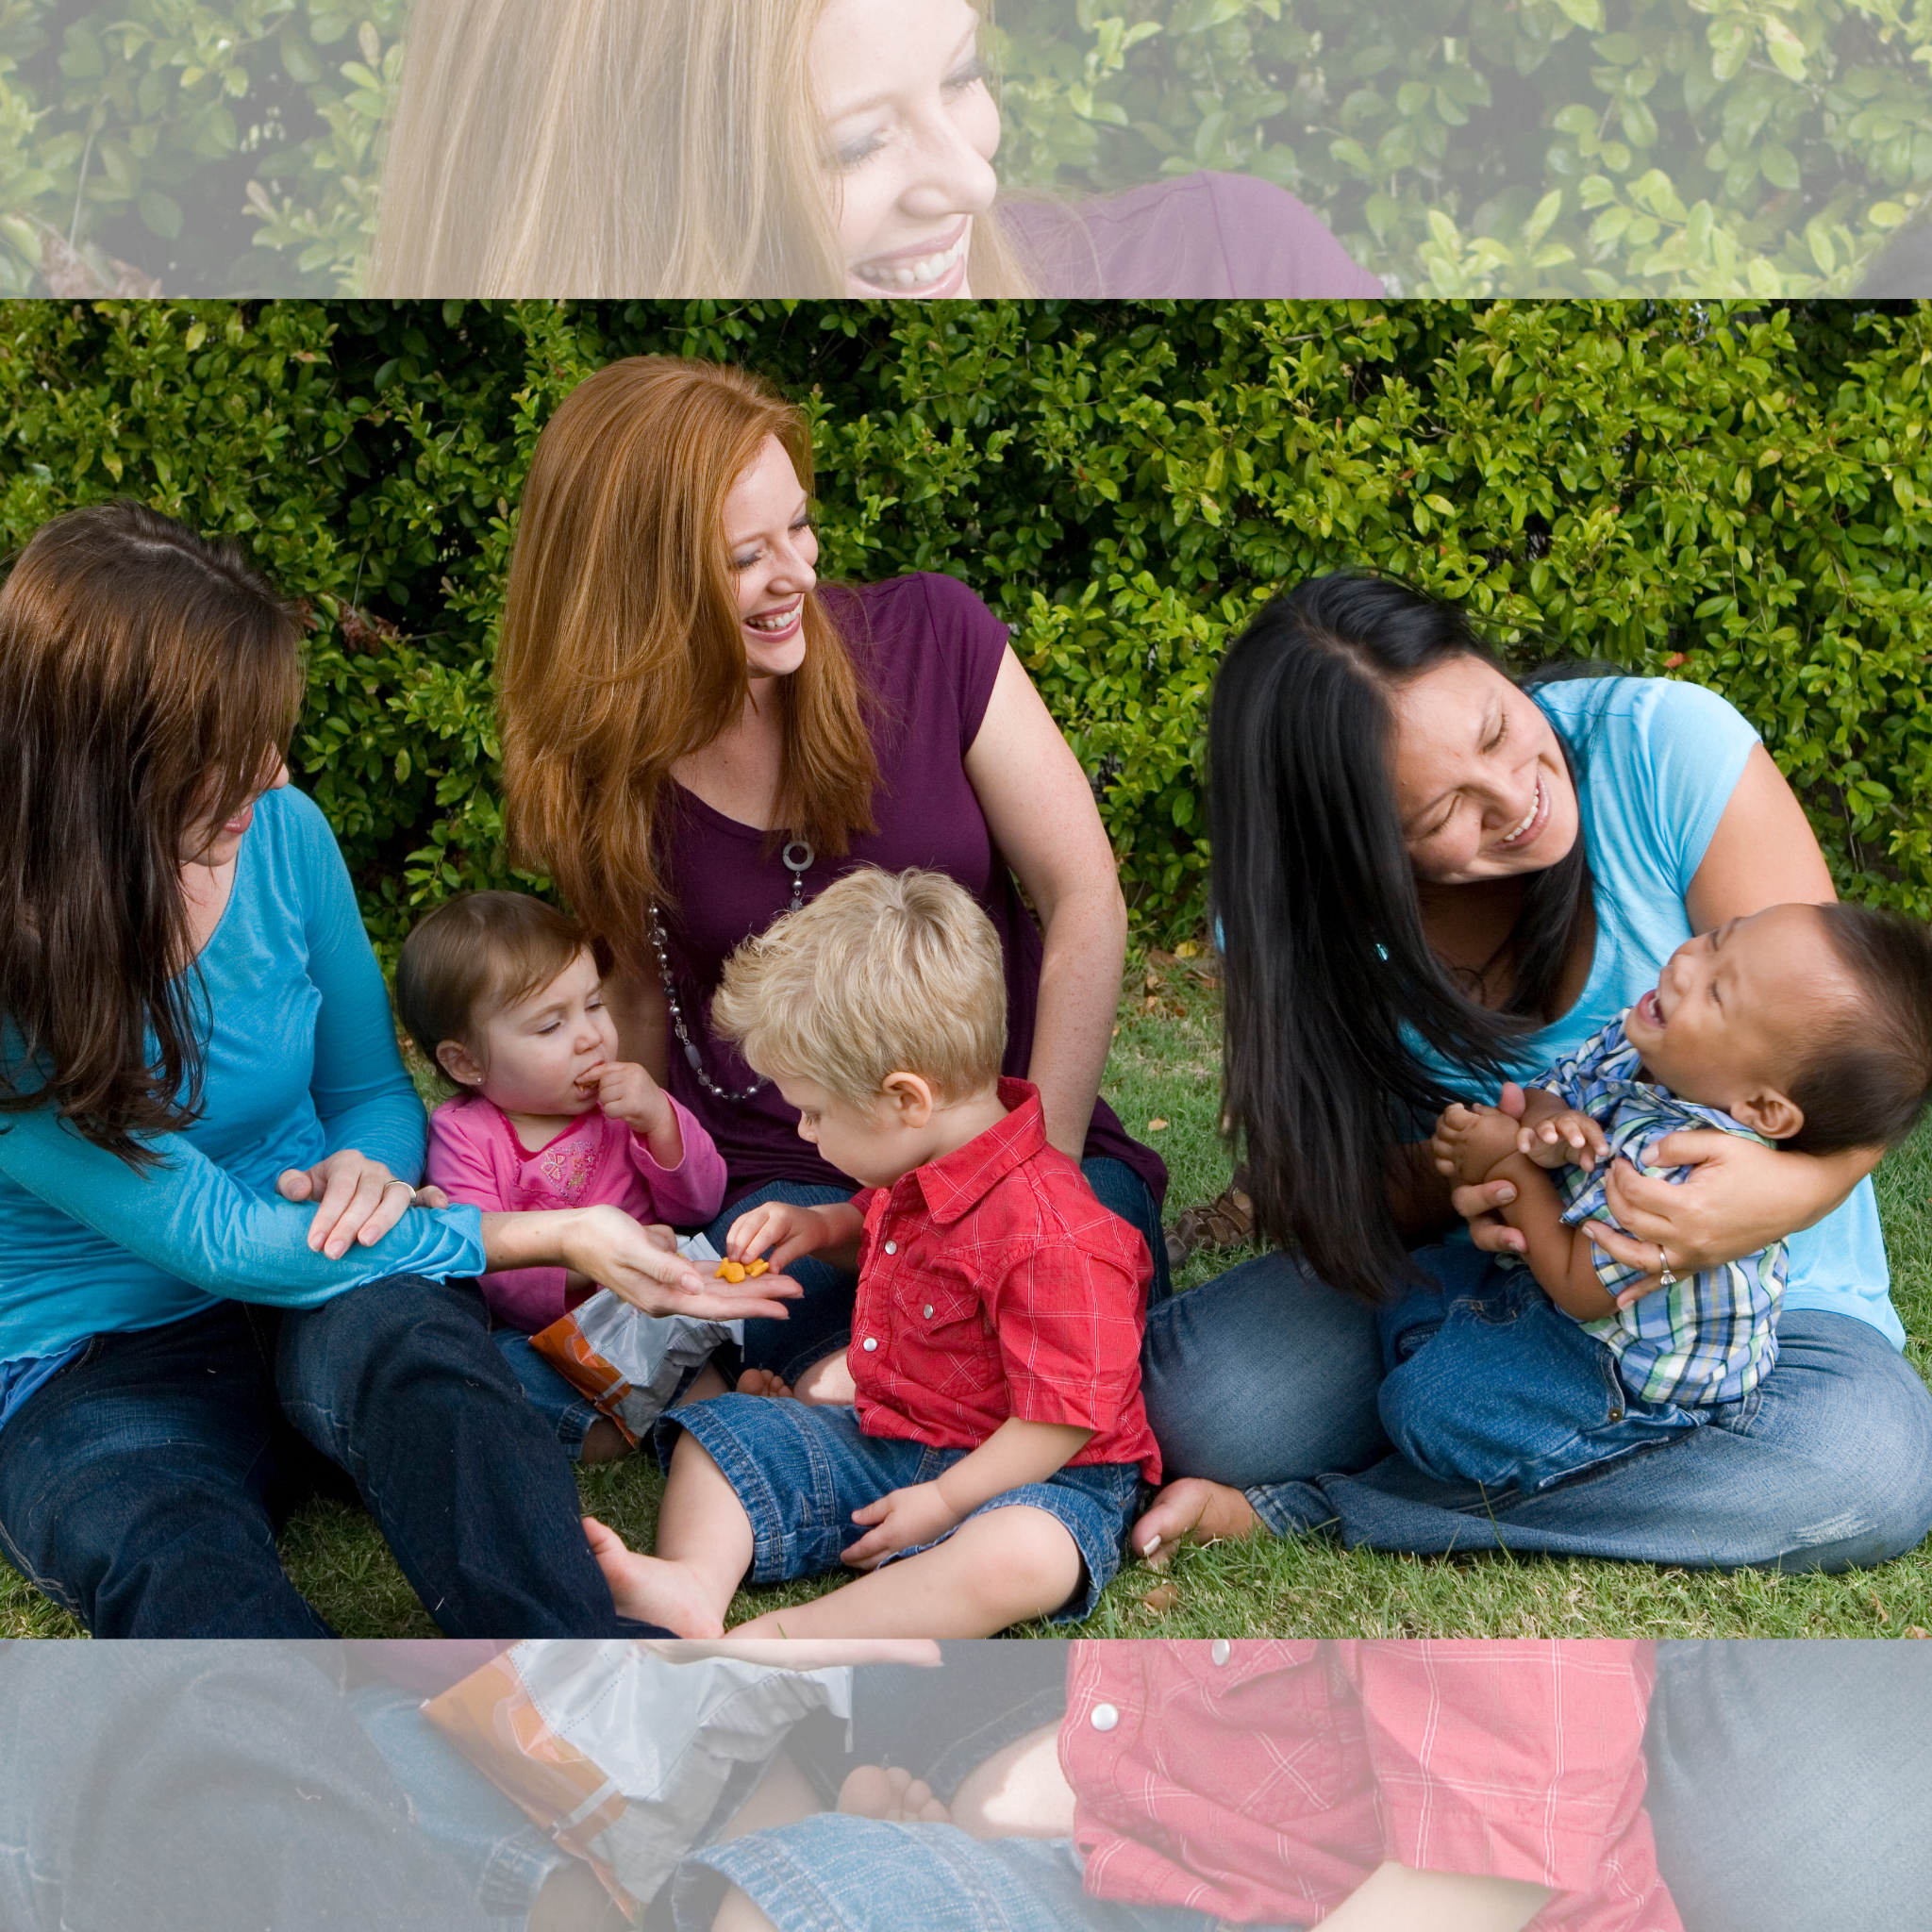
pixel 1449 1786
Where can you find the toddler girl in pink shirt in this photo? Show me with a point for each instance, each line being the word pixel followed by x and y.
pixel 503 994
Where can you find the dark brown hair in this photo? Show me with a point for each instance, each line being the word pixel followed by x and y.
pixel 473 955
pixel 1867 1072
pixel 620 650
pixel 149 680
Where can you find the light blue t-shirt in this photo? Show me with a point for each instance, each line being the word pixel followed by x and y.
pixel 1657 762
pixel 301 1061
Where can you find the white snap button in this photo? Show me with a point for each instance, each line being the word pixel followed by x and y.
pixel 871 1341
pixel 891 1247
pixel 1223 1650
pixel 1104 1717
pixel 928 1311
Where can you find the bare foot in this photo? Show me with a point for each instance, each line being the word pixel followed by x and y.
pixel 650 1590
pixel 1209 1512
pixel 763 1382
pixel 874 1790
pixel 829 1383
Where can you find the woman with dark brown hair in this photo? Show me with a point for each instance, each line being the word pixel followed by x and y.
pixel 215 1266
pixel 696 737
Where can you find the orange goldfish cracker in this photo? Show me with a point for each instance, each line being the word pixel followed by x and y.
pixel 754 1269
pixel 730 1271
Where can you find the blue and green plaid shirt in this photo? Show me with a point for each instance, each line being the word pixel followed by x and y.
pixel 1708 1337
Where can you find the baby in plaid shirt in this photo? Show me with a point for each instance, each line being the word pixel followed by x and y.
pixel 998 1439
pixel 1808 1026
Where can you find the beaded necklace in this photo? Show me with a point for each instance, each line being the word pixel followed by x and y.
pixel 797 859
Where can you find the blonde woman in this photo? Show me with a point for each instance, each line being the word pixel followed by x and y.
pixel 697 738
pixel 773 147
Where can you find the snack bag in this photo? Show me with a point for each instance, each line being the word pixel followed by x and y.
pixel 623 1757
pixel 630 1364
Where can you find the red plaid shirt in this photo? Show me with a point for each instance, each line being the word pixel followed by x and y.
pixel 1264 1781
pixel 992 1283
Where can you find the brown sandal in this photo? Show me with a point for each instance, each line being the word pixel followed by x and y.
pixel 1225 1222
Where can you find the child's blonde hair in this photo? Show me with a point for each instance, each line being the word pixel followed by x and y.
pixel 882 974
pixel 475 955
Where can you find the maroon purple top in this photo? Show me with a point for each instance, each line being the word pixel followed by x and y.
pixel 1202 235
pixel 929 650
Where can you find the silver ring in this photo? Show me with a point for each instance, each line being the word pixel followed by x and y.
pixel 1665 1279
pixel 389 1184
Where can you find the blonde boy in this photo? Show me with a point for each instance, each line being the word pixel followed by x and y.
pixel 999 1438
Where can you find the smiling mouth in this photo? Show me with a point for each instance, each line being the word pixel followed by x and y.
pixel 775 623
pixel 1531 821
pixel 920 271
pixel 1650 1009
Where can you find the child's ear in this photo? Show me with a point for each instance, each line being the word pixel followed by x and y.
pixel 456 1060
pixel 1775 1115
pixel 912 1099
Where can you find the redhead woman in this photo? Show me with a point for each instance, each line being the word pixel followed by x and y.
pixel 773 147
pixel 215 1267
pixel 696 737
pixel 1432 884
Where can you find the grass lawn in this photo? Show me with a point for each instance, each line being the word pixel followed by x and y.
pixel 1165 1068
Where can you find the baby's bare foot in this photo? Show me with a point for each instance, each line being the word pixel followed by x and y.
pixel 763 1382
pixel 650 1591
pixel 887 1793
pixel 1209 1512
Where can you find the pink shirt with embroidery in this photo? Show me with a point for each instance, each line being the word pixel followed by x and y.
pixel 475 1157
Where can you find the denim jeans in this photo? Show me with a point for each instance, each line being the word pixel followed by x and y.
pixel 1489 1382
pixel 857 1874
pixel 142 1487
pixel 1266 1379
pixel 205 1788
pixel 821 1322
pixel 799 1471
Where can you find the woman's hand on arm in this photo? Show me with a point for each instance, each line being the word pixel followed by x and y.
pixel 1040 811
pixel 355 1199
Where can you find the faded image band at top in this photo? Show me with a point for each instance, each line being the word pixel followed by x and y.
pixel 966 148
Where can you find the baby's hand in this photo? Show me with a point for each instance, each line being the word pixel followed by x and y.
pixel 1563 1139
pixel 901 1521
pixel 778 1230
pixel 627 1094
pixel 1470 1140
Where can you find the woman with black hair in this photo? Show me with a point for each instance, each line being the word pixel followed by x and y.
pixel 1431 882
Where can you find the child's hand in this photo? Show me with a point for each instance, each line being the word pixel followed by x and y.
pixel 1563 1139
pixel 787 1231
pixel 1470 1140
pixel 901 1521
pixel 627 1094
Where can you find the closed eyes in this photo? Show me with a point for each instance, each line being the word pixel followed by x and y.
pixel 856 153
pixel 798 529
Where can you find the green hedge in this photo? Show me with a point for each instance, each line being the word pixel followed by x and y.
pixel 1460 147
pixel 1732 495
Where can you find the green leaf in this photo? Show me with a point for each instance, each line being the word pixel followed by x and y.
pixel 161 213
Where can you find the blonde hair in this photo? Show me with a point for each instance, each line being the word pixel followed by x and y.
pixel 881 974
pixel 620 650
pixel 473 957
pixel 617 148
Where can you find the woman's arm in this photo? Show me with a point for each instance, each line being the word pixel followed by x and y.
pixel 1739 1196
pixel 642 1017
pixel 1040 811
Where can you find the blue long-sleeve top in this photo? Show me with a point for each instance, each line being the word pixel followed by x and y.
pixel 300 1062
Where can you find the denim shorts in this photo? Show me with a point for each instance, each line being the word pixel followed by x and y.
pixel 801 1469
pixel 836 1873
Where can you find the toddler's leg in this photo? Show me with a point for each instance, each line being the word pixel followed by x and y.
pixel 1000 1568
pixel 703 1549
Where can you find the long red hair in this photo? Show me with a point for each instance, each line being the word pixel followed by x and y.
pixel 622 652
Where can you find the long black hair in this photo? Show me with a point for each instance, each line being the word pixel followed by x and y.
pixel 1321 922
